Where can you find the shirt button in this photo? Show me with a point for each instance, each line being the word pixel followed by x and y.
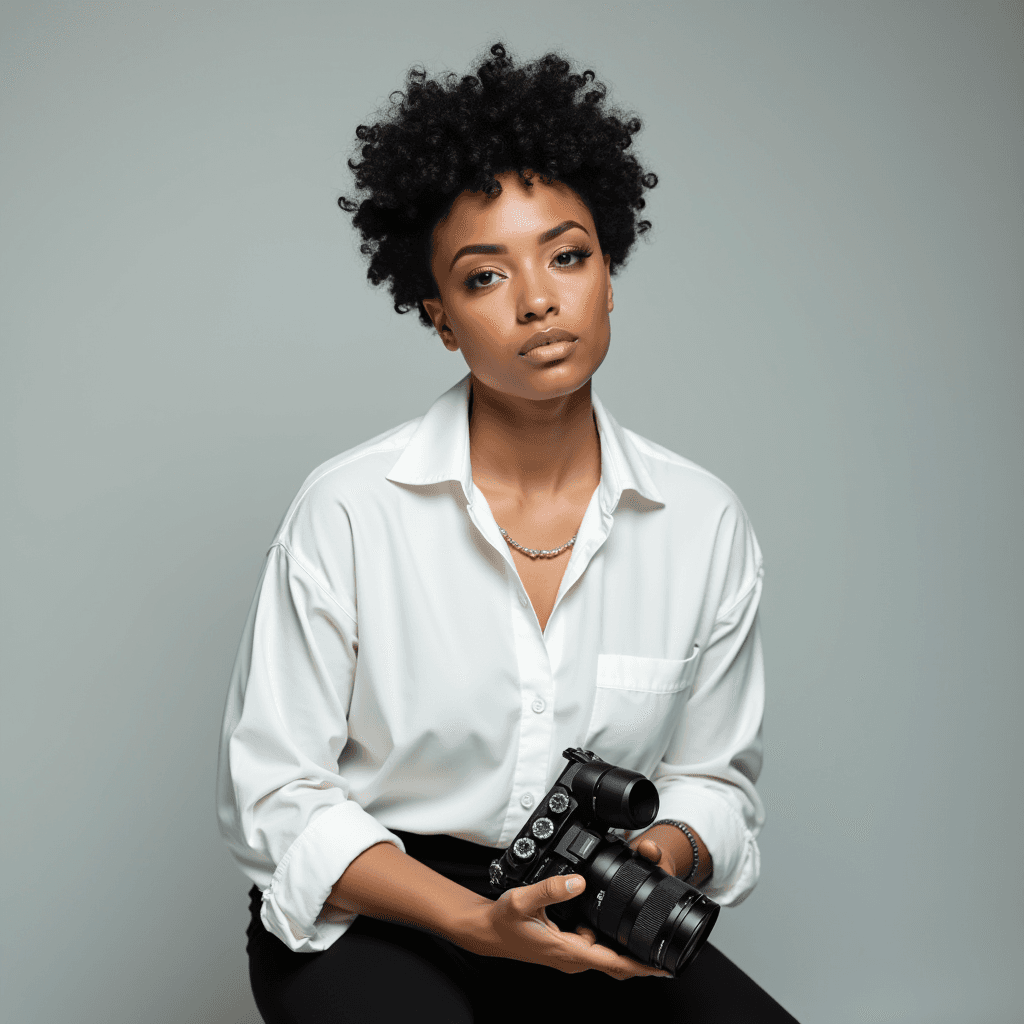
pixel 538 705
pixel 526 800
pixel 523 600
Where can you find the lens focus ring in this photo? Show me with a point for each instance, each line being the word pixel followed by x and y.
pixel 623 887
pixel 652 917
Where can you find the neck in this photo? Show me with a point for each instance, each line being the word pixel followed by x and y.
pixel 538 449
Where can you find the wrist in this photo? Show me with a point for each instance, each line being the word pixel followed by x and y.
pixel 691 858
pixel 686 854
pixel 469 924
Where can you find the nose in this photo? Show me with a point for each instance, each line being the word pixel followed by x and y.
pixel 537 295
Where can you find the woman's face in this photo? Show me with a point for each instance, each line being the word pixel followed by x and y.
pixel 525 290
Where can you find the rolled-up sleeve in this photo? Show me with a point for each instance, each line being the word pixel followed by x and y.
pixel 707 774
pixel 284 809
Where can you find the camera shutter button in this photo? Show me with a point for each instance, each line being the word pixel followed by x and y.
pixel 538 705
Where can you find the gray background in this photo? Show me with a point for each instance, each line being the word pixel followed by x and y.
pixel 828 316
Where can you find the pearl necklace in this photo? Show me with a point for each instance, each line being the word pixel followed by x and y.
pixel 535 552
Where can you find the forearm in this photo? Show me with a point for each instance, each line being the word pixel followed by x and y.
pixel 384 883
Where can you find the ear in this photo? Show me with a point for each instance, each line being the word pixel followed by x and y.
pixel 435 310
pixel 608 276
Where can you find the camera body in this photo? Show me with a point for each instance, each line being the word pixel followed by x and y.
pixel 633 906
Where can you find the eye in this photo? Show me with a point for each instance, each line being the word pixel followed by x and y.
pixel 571 257
pixel 483 279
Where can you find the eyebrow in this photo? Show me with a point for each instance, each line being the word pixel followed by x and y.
pixel 488 250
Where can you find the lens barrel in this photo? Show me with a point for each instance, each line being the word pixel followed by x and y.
pixel 660 919
pixel 671 925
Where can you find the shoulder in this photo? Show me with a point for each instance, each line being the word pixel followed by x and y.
pixel 683 483
pixel 357 474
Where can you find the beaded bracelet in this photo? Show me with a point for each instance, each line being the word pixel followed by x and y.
pixel 693 842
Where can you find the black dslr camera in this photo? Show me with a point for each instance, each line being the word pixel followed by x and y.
pixel 633 906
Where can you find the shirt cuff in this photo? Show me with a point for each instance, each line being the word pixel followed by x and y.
pixel 293 903
pixel 733 848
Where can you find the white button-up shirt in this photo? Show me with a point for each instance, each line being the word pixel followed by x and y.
pixel 393 674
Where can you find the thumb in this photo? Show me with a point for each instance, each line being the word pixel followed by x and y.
pixel 555 889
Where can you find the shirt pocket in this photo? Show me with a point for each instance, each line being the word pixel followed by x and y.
pixel 638 703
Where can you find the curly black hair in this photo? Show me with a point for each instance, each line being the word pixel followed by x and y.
pixel 443 136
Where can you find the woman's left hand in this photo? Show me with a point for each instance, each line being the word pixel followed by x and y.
pixel 670 848
pixel 657 847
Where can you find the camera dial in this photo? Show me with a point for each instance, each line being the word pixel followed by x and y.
pixel 559 803
pixel 524 848
pixel 543 828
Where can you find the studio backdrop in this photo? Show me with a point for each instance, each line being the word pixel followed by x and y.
pixel 827 315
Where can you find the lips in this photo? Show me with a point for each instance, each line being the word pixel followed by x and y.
pixel 548 337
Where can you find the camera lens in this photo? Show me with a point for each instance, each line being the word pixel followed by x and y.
pixel 659 919
pixel 672 940
pixel 690 935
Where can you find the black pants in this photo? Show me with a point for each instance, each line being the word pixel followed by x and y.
pixel 379 973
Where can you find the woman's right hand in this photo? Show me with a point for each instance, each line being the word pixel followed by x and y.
pixel 516 926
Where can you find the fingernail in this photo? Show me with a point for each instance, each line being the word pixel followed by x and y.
pixel 574 884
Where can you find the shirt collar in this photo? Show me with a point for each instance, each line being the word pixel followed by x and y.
pixel 438 451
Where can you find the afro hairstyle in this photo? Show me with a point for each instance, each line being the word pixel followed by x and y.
pixel 443 136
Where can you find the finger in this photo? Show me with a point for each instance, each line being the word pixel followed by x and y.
pixel 617 966
pixel 578 942
pixel 649 850
pixel 587 933
pixel 591 955
pixel 625 966
pixel 632 969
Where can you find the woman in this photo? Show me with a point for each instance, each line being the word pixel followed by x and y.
pixel 448 606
